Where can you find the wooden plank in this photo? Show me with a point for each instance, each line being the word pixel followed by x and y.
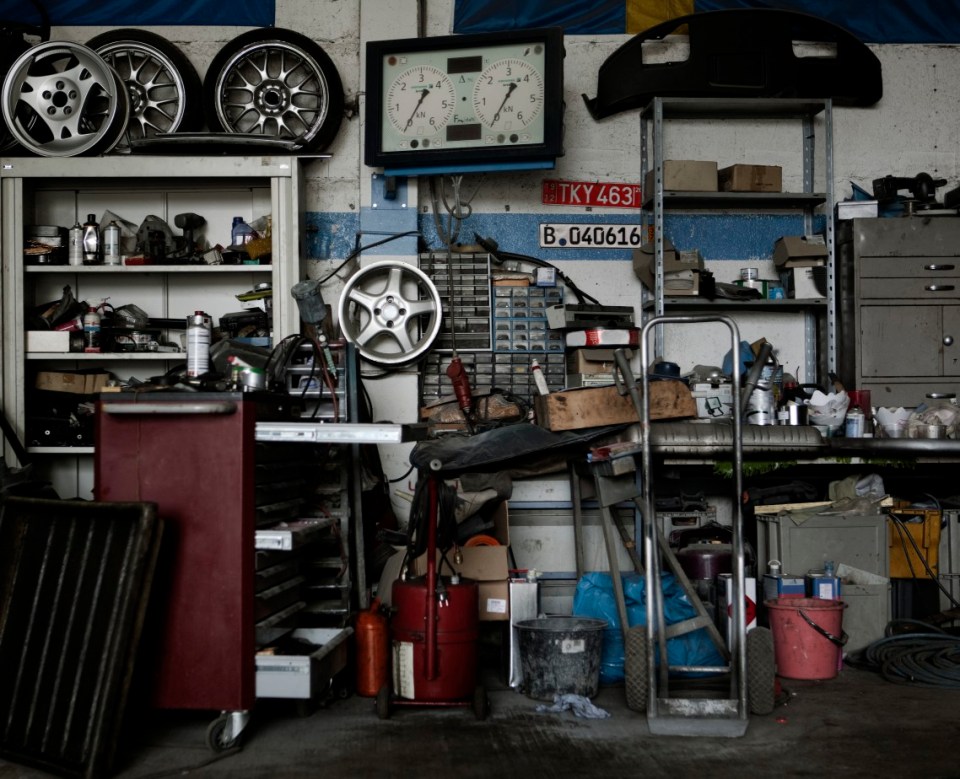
pixel 598 406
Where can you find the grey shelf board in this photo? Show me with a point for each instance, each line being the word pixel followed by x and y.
pixel 737 200
pixel 141 167
pixel 783 305
pixel 157 268
pixel 725 108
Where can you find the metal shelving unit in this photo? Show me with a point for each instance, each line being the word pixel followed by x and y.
pixel 653 121
pixel 62 191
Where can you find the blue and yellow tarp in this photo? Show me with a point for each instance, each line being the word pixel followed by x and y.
pixel 881 21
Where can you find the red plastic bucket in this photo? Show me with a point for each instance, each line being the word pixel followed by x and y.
pixel 808 636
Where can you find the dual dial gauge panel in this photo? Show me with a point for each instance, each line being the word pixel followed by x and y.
pixel 465 102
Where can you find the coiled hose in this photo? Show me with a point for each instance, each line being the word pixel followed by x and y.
pixel 927 659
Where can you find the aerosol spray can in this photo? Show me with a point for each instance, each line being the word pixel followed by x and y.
pixel 91 241
pixel 199 335
pixel 111 244
pixel 75 245
pixel 91 330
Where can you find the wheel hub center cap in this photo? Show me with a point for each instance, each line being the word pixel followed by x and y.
pixel 59 98
pixel 389 311
pixel 272 98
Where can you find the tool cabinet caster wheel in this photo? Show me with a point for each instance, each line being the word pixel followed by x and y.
pixel 383 702
pixel 761 671
pixel 217 735
pixel 481 704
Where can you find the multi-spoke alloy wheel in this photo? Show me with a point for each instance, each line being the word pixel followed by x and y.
pixel 163 87
pixel 277 83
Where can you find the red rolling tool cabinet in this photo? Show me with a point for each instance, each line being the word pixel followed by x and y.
pixel 193 455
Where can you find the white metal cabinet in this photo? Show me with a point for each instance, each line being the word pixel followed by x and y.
pixel 63 191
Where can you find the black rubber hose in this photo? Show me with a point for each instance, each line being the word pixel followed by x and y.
pixel 928 659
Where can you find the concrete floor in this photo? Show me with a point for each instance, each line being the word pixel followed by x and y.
pixel 856 725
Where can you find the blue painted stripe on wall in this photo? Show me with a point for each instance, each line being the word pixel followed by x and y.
pixel 332 235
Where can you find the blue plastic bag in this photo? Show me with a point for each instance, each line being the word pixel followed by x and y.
pixel 594 598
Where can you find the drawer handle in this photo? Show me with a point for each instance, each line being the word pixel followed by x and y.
pixel 169 408
pixel 939 267
pixel 948 340
pixel 939 288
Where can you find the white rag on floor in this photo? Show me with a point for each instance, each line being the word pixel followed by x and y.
pixel 578 704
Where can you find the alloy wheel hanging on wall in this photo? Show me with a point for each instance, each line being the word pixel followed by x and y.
pixel 391 311
pixel 61 99
pixel 277 83
pixel 163 87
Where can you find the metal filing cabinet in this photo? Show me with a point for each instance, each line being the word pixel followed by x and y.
pixel 900 307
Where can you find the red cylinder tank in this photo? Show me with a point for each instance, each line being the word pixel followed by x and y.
pixel 456 641
pixel 373 651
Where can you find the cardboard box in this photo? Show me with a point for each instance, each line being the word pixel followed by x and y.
pixel 489 566
pixel 681 283
pixel 684 176
pixel 77 383
pixel 674 262
pixel 598 406
pixel 750 178
pixel 592 360
pixel 48 341
pixel 804 283
pixel 713 401
pixel 800 251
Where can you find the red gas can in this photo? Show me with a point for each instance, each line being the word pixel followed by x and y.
pixel 453 673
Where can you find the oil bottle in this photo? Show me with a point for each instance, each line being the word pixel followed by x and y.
pixel 91 241
pixel 91 330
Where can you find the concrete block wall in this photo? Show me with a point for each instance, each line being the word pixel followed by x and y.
pixel 916 127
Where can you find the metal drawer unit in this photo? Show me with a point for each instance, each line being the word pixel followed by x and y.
pixel 900 307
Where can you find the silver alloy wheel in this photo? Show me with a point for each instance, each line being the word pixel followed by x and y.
pixel 278 83
pixel 391 311
pixel 163 87
pixel 61 99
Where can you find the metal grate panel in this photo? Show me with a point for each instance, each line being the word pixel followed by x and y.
pixel 74 582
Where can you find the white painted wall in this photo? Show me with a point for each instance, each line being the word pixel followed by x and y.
pixel 916 127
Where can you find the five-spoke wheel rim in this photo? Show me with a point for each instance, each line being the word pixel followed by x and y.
pixel 391 311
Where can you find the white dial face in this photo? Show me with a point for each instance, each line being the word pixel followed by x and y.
pixel 420 102
pixel 508 95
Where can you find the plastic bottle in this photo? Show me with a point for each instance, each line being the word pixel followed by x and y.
pixel 91 241
pixel 91 330
pixel 199 335
pixel 111 244
pixel 241 233
pixel 75 245
pixel 539 379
